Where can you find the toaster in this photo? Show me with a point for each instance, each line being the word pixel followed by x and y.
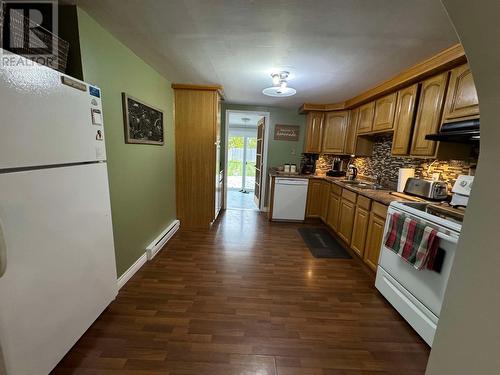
pixel 427 189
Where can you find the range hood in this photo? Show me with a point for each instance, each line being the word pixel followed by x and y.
pixel 459 132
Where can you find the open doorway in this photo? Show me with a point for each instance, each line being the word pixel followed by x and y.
pixel 245 159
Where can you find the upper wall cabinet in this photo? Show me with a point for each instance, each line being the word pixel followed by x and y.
pixel 314 132
pixel 404 119
pixel 429 113
pixel 365 118
pixel 461 98
pixel 384 113
pixel 351 137
pixel 334 132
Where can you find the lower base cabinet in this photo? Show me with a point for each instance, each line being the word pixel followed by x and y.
pixel 360 227
pixel 332 218
pixel 325 192
pixel 317 198
pixel 375 235
pixel 346 220
pixel 314 197
pixel 358 221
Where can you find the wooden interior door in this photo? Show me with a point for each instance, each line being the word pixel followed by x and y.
pixel 259 162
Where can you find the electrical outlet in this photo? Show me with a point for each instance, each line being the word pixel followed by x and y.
pixel 293 152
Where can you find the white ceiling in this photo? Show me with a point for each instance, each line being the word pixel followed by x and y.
pixel 235 119
pixel 334 49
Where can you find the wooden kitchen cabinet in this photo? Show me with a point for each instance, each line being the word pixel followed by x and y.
pixel 365 118
pixel 385 108
pixel 346 214
pixel 404 120
pixel 325 194
pixel 332 218
pixel 428 120
pixel 375 235
pixel 461 98
pixel 314 132
pixel 334 132
pixel 198 182
pixel 351 134
pixel 360 226
pixel 314 198
pixel 346 219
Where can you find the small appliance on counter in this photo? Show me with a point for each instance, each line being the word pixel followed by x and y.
pixel 403 175
pixel 432 190
pixel 337 169
pixel 308 164
pixel 352 172
pixel 461 191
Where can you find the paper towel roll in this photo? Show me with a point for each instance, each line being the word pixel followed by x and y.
pixel 403 175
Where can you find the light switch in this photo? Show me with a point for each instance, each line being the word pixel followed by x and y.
pixel 96 117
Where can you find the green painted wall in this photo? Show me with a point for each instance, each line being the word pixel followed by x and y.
pixel 142 179
pixel 279 152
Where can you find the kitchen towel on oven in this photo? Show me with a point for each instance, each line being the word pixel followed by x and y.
pixel 412 240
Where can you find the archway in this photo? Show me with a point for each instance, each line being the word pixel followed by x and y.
pixel 468 335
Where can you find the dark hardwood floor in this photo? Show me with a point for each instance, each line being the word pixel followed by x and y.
pixel 247 298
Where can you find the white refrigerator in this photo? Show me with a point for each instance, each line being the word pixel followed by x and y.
pixel 57 270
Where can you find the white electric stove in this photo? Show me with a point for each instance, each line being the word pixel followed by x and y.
pixel 418 294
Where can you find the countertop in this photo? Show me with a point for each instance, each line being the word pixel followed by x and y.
pixel 383 196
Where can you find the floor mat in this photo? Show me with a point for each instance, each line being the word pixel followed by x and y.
pixel 322 244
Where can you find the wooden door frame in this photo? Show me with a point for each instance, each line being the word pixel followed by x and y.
pixel 267 116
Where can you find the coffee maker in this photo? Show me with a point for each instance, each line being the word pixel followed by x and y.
pixel 337 169
pixel 308 163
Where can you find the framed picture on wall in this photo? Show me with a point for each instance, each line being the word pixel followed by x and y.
pixel 143 122
pixel 286 133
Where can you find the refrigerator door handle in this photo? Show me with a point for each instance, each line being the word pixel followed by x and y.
pixel 3 252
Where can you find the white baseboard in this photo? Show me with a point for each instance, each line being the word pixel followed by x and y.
pixel 150 252
pixel 160 241
pixel 122 280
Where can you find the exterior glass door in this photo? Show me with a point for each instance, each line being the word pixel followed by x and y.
pixel 241 162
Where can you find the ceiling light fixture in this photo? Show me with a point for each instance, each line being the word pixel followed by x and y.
pixel 280 88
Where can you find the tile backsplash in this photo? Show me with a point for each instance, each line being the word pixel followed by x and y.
pixel 383 164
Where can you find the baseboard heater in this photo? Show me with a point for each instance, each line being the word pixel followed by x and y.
pixel 155 246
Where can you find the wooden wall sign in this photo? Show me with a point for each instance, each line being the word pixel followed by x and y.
pixel 286 133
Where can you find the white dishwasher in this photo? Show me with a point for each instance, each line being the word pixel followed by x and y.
pixel 290 196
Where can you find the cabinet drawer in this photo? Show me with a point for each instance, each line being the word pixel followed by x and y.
pixel 379 209
pixel 364 202
pixel 335 189
pixel 349 195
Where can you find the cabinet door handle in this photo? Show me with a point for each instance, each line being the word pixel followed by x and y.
pixel 3 252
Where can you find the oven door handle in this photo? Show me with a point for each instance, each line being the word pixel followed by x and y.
pixel 446 237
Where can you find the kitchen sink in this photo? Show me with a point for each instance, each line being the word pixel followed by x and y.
pixel 361 184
